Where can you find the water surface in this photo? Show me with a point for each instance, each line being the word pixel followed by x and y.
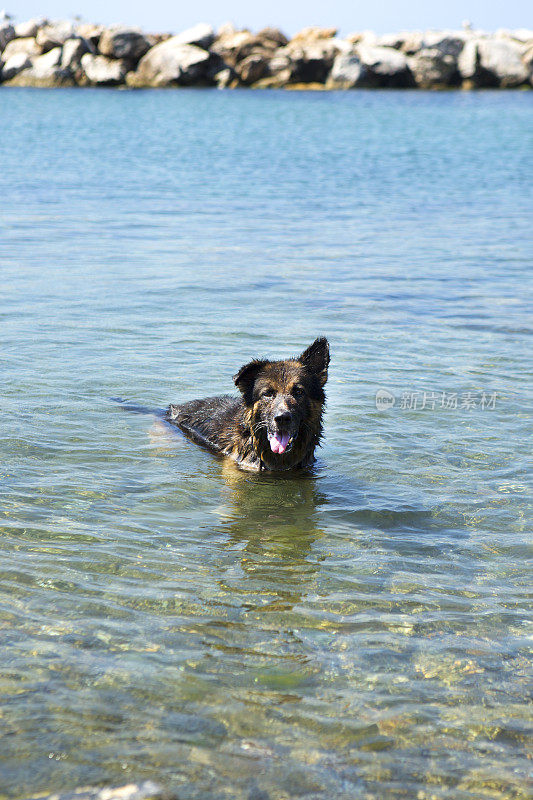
pixel 360 632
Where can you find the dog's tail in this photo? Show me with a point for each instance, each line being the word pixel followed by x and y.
pixel 135 408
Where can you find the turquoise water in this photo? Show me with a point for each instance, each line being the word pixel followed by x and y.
pixel 360 632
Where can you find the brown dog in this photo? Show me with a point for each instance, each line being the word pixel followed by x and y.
pixel 275 424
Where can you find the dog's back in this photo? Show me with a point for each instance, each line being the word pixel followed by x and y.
pixel 210 422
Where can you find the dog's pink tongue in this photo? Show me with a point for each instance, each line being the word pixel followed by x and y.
pixel 278 442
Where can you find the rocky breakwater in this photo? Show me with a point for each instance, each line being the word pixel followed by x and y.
pixel 47 54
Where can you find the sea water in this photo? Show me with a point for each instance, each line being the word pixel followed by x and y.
pixel 357 632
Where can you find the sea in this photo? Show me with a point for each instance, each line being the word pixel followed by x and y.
pixel 360 631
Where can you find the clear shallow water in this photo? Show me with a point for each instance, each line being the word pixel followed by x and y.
pixel 357 633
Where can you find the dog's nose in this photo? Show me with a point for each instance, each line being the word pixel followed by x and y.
pixel 283 418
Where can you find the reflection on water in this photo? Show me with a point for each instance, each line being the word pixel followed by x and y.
pixel 273 525
pixel 357 632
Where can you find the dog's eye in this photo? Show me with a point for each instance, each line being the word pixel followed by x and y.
pixel 268 393
pixel 298 391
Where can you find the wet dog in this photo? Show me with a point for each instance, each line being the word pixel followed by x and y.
pixel 275 424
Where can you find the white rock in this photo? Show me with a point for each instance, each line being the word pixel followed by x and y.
pixel 46 66
pixel 28 28
pixel 28 46
pixel 171 62
pixel 103 71
pixel 201 35
pixel 45 70
pixel 493 62
pixel 73 50
pixel 503 59
pixel 347 72
pixel 468 60
pixel 14 65
pixel 54 34
pixel 384 66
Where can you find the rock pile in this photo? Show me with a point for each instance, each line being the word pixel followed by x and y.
pixel 62 53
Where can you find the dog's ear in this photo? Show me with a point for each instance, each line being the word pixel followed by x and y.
pixel 316 359
pixel 245 378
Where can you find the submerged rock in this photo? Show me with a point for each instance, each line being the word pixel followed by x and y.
pixel 133 791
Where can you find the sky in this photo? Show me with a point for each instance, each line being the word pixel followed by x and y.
pixel 381 16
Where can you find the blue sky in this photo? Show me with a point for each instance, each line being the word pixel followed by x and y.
pixel 291 15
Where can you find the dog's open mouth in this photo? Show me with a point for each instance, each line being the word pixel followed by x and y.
pixel 280 441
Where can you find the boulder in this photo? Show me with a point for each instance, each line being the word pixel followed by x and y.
pixel 15 64
pixel 412 43
pixel 47 65
pixel 172 64
pixel 394 40
pixel 522 35
pixel 91 33
pixel 103 71
pixel 127 43
pixel 281 71
pixel 235 46
pixel 449 43
pixel 310 61
pixel 252 68
pixel 492 62
pixel 73 50
pixel 54 34
pixel 7 32
pixel 356 37
pixel 201 35
pixel 225 78
pixel 528 63
pixel 28 46
pixel 45 71
pixel 314 34
pixel 347 72
pixel 384 67
pixel 29 28
pixel 432 69
pixel 273 35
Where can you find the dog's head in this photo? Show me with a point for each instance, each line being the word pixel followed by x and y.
pixel 284 400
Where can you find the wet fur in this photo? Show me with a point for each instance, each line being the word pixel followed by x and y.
pixel 239 427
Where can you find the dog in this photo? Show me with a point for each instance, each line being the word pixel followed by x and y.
pixel 275 424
